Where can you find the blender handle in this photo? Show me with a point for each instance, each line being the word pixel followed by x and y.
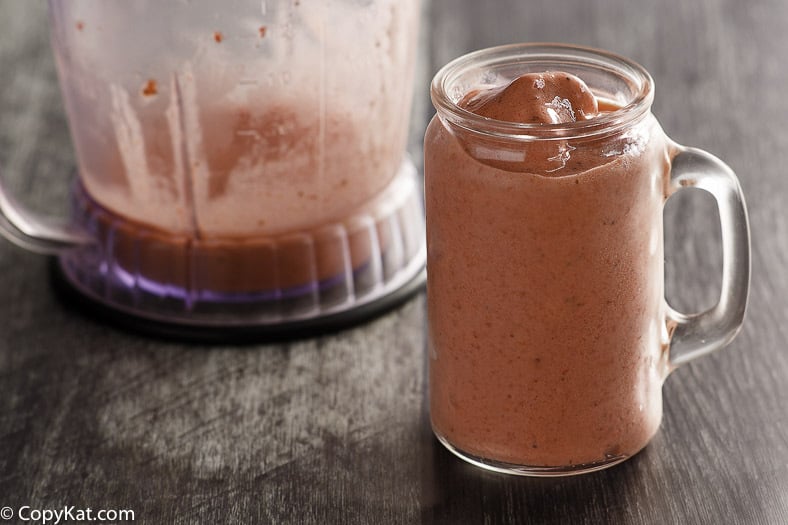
pixel 695 335
pixel 37 233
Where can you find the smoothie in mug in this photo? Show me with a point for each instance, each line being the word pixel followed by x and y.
pixel 549 332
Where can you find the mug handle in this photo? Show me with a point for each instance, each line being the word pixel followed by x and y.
pixel 37 233
pixel 695 335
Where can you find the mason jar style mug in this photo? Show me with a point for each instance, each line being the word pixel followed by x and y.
pixel 550 337
pixel 240 162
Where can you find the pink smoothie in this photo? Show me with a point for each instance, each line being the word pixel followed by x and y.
pixel 545 285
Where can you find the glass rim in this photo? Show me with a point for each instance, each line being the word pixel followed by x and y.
pixel 555 53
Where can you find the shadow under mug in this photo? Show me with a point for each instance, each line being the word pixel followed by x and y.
pixel 550 337
pixel 233 171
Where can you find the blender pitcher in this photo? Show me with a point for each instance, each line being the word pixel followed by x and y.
pixel 240 162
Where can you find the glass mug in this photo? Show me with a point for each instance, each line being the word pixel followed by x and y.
pixel 550 337
pixel 234 168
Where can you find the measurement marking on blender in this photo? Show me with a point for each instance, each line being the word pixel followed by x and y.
pixel 248 133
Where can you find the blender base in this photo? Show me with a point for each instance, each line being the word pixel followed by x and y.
pixel 95 307
pixel 249 288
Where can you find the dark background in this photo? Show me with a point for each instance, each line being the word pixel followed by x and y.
pixel 334 429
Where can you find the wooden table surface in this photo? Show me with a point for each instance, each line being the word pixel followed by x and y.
pixel 335 429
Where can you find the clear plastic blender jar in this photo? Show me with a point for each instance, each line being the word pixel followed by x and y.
pixel 240 162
